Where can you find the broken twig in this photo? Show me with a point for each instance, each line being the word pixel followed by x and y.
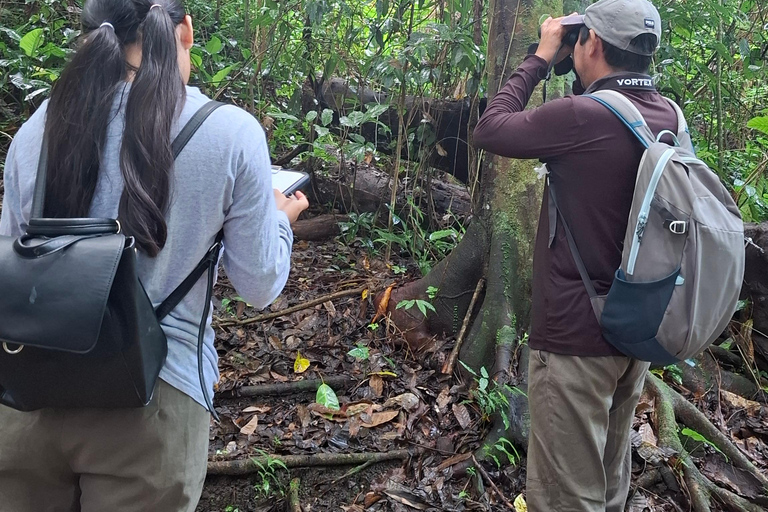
pixel 292 309
pixel 450 363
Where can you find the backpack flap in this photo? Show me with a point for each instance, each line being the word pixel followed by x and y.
pixel 55 290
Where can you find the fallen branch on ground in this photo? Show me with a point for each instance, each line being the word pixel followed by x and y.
pixel 285 388
pixel 292 309
pixel 248 466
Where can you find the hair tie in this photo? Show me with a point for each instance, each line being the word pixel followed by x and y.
pixel 108 24
pixel 155 5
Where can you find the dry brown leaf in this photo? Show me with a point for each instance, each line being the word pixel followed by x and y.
pixel 443 399
pixel 379 418
pixel 462 415
pixel 250 427
pixel 381 309
pixel 377 384
pixel 330 308
pixel 407 498
pixel 647 435
pixel 739 402
pixel 257 408
pixel 359 408
pixel 407 401
pixel 278 377
pixel 303 413
pixel 441 150
pixel 453 460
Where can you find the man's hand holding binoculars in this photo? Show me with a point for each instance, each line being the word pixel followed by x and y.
pixel 552 34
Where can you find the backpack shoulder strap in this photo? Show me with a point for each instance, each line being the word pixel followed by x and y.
pixel 192 126
pixel 683 135
pixel 627 112
pixel 211 257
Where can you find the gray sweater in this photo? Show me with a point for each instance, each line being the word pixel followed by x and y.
pixel 222 178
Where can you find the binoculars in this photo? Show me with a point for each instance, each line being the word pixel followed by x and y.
pixel 570 39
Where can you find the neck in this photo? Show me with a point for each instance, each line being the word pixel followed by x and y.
pixel 133 59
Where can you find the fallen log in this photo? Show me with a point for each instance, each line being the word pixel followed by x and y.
pixel 318 228
pixel 248 466
pixel 337 382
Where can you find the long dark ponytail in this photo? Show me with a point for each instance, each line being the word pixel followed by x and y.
pixel 80 106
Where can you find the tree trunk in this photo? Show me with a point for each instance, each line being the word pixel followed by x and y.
pixel 498 244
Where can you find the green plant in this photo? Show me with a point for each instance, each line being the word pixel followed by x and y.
pixel 226 304
pixel 269 483
pixel 489 396
pixel 360 352
pixel 700 438
pixel 422 305
pixel 673 371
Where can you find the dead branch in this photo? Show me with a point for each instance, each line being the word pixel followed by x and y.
pixel 292 309
pixel 248 466
pixel 488 479
pixel 450 363
pixel 286 388
pixel 293 495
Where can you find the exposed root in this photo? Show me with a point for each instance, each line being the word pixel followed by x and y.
pixel 669 406
pixel 293 496
pixel 285 388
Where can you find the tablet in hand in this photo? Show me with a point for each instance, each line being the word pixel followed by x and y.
pixel 288 181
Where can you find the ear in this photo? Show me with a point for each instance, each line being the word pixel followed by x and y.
pixel 186 33
pixel 595 44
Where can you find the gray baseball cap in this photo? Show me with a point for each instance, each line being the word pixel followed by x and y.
pixel 618 22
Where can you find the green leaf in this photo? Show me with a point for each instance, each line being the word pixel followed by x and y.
pixel 282 115
pixel 759 123
pixel 311 116
pixel 214 45
pixel 470 370
pixel 322 131
pixel 698 437
pixel 327 397
pixel 359 352
pixel 32 41
pixel 444 233
pixel 353 120
pixel 484 372
pixel 376 109
pixel 197 60
pixel 221 75
pixel 11 33
pixel 326 117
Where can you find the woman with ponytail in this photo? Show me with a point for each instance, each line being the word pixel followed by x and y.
pixel 109 125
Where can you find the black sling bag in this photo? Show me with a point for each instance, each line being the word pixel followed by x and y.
pixel 76 326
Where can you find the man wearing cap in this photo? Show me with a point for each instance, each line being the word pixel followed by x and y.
pixel 582 391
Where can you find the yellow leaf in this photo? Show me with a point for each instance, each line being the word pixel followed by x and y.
pixel 520 505
pixel 385 374
pixel 365 294
pixel 300 365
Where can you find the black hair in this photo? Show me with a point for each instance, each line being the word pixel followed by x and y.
pixel 625 60
pixel 79 112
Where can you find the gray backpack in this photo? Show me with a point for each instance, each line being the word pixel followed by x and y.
pixel 683 259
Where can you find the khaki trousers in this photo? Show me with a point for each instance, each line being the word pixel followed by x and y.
pixel 579 448
pixel 151 459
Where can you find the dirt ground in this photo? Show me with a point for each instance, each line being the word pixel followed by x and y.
pixel 394 400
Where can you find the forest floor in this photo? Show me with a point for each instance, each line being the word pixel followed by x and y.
pixel 399 403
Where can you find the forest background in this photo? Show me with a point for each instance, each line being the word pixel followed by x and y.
pixel 360 93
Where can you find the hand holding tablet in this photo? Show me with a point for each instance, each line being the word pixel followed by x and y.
pixel 288 181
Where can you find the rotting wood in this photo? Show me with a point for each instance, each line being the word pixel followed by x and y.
pixel 450 363
pixel 318 228
pixel 299 307
pixel 293 495
pixel 337 382
pixel 247 466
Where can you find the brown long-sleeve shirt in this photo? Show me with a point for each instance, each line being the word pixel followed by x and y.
pixel 593 159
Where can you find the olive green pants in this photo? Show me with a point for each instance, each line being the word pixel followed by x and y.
pixel 151 459
pixel 579 447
